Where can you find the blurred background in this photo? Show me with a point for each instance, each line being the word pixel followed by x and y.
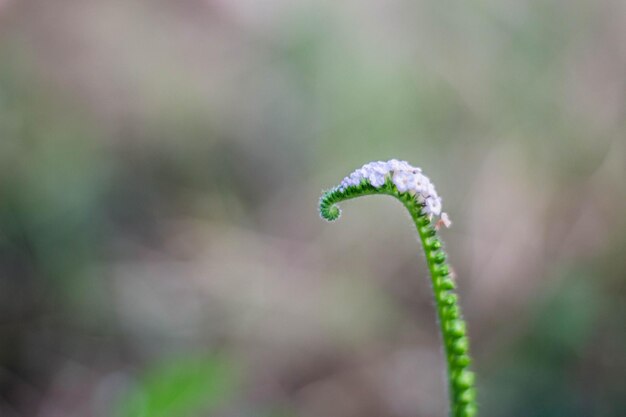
pixel 161 252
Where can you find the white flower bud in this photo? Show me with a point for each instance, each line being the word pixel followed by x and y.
pixel 405 177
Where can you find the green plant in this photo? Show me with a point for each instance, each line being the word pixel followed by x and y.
pixel 182 386
pixel 407 183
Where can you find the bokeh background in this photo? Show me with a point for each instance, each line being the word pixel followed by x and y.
pixel 161 254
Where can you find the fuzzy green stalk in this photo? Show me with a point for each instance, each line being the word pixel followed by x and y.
pixel 453 329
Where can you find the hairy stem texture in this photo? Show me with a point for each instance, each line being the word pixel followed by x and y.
pixel 461 389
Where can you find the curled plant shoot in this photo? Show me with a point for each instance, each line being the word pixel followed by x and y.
pixel 415 191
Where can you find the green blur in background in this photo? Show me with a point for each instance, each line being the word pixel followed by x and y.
pixel 161 254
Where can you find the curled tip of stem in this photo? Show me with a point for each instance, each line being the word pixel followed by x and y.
pixel 329 211
pixel 328 205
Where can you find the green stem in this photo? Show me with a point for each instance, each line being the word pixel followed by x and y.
pixel 452 326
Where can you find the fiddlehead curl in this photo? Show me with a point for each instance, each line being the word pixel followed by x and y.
pixel 418 195
pixel 329 210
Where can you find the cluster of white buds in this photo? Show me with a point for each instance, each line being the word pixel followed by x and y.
pixel 405 177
